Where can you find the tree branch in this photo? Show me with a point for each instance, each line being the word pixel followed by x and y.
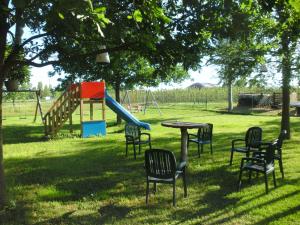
pixel 27 62
pixel 33 37
pixel 71 57
pixel 11 34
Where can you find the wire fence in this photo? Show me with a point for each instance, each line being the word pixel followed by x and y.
pixel 191 95
pixel 205 96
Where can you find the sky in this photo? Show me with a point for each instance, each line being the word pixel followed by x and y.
pixel 206 75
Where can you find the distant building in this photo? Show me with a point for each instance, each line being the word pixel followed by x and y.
pixel 202 85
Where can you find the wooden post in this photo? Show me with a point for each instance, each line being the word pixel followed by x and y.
pixel 81 115
pixel 38 94
pixel 36 108
pixel 91 111
pixel 70 108
pixel 103 109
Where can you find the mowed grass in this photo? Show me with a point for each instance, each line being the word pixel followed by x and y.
pixel 70 180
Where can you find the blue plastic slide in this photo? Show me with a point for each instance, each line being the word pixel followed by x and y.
pixel 123 113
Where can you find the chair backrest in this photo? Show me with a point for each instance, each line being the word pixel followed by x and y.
pixel 270 154
pixel 253 137
pixel 280 139
pixel 132 130
pixel 205 133
pixel 160 163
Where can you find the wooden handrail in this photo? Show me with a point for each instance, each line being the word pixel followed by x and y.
pixel 56 103
pixel 54 118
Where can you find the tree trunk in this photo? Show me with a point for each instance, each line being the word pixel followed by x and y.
pixel 229 97
pixel 2 178
pixel 286 79
pixel 117 94
pixel 3 37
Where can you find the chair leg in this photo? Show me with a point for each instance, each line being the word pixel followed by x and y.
pixel 266 182
pixel 126 149
pixel 198 149
pixel 231 157
pixel 188 144
pixel 174 193
pixel 150 147
pixel 184 184
pixel 134 151
pixel 240 180
pixel 139 148
pixel 211 150
pixel 147 192
pixel 201 148
pixel 281 168
pixel 154 187
pixel 250 176
pixel 274 179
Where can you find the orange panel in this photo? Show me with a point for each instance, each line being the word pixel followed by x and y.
pixel 92 89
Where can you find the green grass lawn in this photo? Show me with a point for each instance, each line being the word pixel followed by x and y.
pixel 70 180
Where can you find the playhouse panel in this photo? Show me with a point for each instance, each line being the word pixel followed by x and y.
pixel 93 128
pixel 92 89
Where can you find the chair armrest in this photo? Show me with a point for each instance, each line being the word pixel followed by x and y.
pixel 181 165
pixel 264 145
pixel 253 159
pixel 145 134
pixel 259 154
pixel 236 140
pixel 129 137
pixel 193 135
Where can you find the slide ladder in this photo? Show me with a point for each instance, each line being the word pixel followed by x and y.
pixel 62 110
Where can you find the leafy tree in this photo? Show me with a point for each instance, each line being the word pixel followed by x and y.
pixel 285 33
pixel 238 45
pixel 149 54
pixel 63 31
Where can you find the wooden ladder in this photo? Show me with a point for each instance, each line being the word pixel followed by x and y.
pixel 62 110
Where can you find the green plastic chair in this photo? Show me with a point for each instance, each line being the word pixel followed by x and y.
pixel 160 166
pixel 261 162
pixel 135 137
pixel 203 136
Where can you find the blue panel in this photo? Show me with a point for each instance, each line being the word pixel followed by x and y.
pixel 93 128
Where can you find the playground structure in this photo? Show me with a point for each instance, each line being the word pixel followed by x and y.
pixel 77 95
pixel 38 108
pixel 149 99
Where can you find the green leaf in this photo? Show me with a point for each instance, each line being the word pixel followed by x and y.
pixel 295 4
pixel 100 10
pixel 137 15
pixel 61 16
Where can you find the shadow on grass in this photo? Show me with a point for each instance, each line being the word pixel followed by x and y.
pixel 103 171
pixel 14 134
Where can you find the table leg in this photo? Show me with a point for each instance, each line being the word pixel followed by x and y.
pixel 298 111
pixel 184 139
